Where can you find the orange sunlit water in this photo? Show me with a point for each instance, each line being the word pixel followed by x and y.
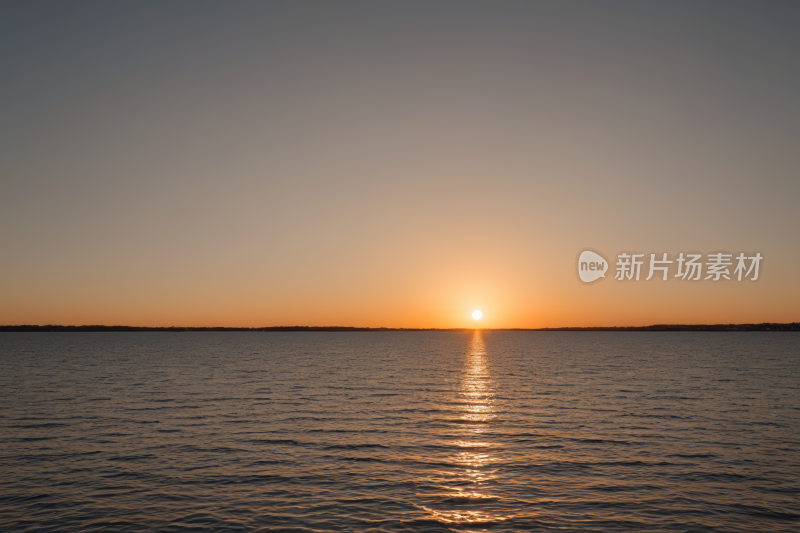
pixel 471 482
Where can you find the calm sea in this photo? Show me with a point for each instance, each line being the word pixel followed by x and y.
pixel 400 431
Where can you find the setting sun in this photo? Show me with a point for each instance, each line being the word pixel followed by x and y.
pixel 476 314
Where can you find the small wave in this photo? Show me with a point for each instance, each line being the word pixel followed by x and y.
pixel 39 426
pixel 467 497
pixel 362 459
pixel 354 446
pixel 210 449
pixel 764 512
pixel 126 458
pixel 285 442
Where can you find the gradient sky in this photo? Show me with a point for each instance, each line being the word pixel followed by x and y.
pixel 393 164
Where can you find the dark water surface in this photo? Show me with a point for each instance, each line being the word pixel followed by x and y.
pixel 400 431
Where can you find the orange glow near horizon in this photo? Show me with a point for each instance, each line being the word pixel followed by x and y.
pixel 545 297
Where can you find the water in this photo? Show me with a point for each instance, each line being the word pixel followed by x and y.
pixel 400 431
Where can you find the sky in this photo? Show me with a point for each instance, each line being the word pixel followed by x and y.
pixel 394 164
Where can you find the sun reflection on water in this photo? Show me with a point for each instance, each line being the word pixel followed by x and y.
pixel 468 498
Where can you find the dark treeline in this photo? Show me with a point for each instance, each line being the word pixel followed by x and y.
pixel 794 326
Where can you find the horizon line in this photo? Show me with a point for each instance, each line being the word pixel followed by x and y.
pixel 764 326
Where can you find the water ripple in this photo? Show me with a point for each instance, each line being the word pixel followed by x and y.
pixel 399 431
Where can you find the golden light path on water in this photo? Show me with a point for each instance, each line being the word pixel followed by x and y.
pixel 469 486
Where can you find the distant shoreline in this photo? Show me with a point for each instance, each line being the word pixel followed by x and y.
pixel 794 326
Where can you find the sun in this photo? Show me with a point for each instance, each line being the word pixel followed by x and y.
pixel 476 314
